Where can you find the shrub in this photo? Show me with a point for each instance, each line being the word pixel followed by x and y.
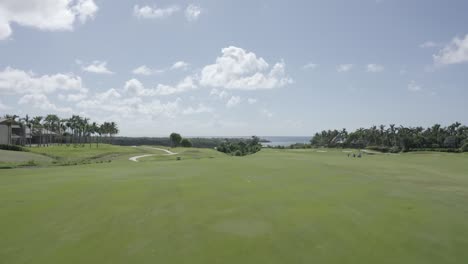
pixel 186 143
pixel 240 147
pixel 12 147
pixel 382 149
pixel 394 149
pixel 464 148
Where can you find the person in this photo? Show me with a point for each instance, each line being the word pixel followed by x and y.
pixel 359 155
pixel 348 155
pixel 354 155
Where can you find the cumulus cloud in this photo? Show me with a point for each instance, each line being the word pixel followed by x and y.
pixel 454 53
pixel 99 67
pixel 135 87
pixel 197 110
pixel 344 67
pixel 142 70
pixel 239 69
pixel 113 102
pixel 14 81
pixel 155 12
pixel 219 94
pixel 414 87
pixel 375 68
pixel 180 65
pixel 266 113
pixel 145 70
pixel 233 101
pixel 41 101
pixel 85 9
pixel 186 84
pixel 44 15
pixel 192 12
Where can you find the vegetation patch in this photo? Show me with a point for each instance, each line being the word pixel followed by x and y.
pixel 12 147
pixel 240 148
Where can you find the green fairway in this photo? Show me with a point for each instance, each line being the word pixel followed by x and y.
pixel 276 206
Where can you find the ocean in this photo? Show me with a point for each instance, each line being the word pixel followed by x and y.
pixel 284 141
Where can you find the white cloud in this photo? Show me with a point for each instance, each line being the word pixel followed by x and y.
pixel 135 87
pixel 218 93
pixel 266 113
pixel 85 9
pixel 344 67
pixel 154 12
pixel 185 85
pixel 414 87
pixel 192 12
pixel 44 15
pixel 198 110
pixel 428 44
pixel 180 65
pixel 14 81
pixel 310 66
pixel 144 70
pixel 41 101
pixel 113 102
pixel 375 68
pixel 252 100
pixel 454 53
pixel 99 67
pixel 233 101
pixel 74 97
pixel 239 69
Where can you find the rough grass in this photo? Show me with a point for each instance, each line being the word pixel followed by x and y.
pixel 277 206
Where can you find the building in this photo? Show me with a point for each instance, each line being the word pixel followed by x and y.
pixel 13 132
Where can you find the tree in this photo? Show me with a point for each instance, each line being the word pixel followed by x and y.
pixel 186 143
pixel 175 139
pixel 37 124
pixel 28 123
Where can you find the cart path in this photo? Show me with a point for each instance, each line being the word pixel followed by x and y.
pixel 168 153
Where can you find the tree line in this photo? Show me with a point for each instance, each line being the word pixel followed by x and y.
pixel 240 147
pixel 75 130
pixel 177 140
pixel 452 138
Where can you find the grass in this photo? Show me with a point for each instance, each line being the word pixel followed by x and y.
pixel 277 206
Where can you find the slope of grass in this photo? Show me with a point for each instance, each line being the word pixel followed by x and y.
pixel 185 154
pixel 21 156
pixel 277 206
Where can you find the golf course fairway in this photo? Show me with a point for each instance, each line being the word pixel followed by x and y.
pixel 276 206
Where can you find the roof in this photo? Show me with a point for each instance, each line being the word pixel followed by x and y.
pixel 5 120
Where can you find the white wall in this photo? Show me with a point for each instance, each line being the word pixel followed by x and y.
pixel 4 134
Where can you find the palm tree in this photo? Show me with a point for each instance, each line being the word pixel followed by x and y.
pixel 113 130
pixel 37 124
pixel 28 123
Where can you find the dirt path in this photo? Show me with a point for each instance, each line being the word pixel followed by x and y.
pixel 168 153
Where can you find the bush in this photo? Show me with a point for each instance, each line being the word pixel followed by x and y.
pixel 464 148
pixel 382 149
pixel 240 147
pixel 394 149
pixel 12 147
pixel 186 143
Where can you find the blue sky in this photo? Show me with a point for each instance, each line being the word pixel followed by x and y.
pixel 236 68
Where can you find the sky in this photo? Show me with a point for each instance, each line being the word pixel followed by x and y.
pixel 238 67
